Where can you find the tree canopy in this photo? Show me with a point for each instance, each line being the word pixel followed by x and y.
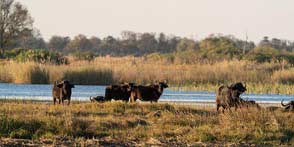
pixel 15 22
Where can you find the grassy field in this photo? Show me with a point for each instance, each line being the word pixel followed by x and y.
pixel 272 77
pixel 124 124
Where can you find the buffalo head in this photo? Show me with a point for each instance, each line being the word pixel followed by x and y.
pixel 66 86
pixel 238 87
pixel 163 84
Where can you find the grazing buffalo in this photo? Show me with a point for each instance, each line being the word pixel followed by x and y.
pixel 62 91
pixel 119 92
pixel 97 98
pixel 229 96
pixel 148 93
pixel 289 106
pixel 249 103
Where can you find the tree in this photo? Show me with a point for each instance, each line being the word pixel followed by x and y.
pixel 80 43
pixel 109 46
pixel 262 54
pixel 128 43
pixel 147 43
pixel 219 47
pixel 58 43
pixel 264 42
pixel 33 40
pixel 95 43
pixel 15 21
pixel 186 44
pixel 162 43
pixel 172 43
pixel 129 35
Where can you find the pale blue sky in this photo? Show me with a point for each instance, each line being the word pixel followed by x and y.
pixel 190 18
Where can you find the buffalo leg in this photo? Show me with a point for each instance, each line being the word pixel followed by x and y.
pixel 68 102
pixel 54 100
pixel 133 99
pixel 217 107
pixel 224 107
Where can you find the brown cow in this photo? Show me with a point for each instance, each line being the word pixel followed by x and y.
pixel 148 93
pixel 289 106
pixel 118 92
pixel 62 91
pixel 229 96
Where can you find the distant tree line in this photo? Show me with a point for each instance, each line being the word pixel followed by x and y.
pixel 214 47
pixel 17 35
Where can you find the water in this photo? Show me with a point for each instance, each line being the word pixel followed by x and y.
pixel 82 93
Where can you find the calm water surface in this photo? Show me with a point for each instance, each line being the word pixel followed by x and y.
pixel 82 93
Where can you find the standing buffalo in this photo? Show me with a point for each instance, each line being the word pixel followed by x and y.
pixel 229 96
pixel 148 93
pixel 118 92
pixel 288 106
pixel 62 91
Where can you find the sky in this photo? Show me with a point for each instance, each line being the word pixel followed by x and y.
pixel 194 19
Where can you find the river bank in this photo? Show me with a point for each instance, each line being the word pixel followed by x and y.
pixel 127 124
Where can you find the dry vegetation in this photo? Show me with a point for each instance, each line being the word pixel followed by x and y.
pixel 126 124
pixel 272 77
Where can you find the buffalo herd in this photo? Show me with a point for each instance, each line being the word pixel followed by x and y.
pixel 127 92
pixel 227 96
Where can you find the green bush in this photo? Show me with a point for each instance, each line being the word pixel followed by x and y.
pixel 219 48
pixel 262 54
pixel 36 55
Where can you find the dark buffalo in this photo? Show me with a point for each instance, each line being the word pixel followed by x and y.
pixel 229 96
pixel 97 98
pixel 62 91
pixel 148 93
pixel 288 106
pixel 118 92
pixel 249 103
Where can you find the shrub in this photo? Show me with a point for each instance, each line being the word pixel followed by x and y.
pixel 262 54
pixel 36 55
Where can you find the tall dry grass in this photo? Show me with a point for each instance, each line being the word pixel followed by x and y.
pixel 108 70
pixel 24 73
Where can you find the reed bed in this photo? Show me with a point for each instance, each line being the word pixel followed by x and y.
pixel 109 70
pixel 160 124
